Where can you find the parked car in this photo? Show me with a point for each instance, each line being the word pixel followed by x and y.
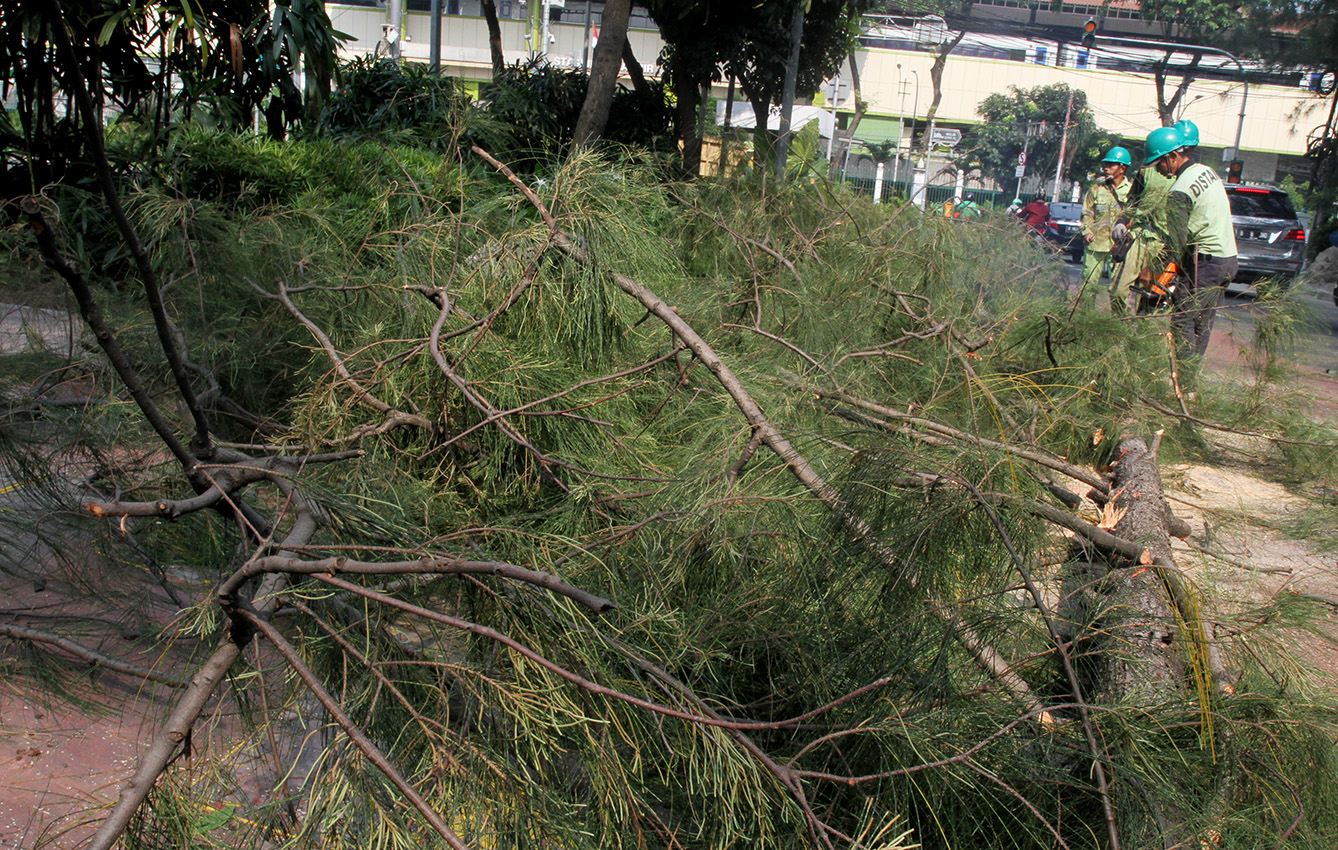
pixel 1270 239
pixel 1064 229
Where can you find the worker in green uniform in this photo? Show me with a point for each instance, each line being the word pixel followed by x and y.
pixel 1200 240
pixel 1139 236
pixel 1101 208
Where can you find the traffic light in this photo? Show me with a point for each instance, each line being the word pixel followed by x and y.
pixel 1089 33
pixel 1233 171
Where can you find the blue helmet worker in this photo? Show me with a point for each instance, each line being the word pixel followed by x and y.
pixel 1190 131
pixel 1200 245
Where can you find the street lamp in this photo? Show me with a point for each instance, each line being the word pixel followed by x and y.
pixel 915 109
pixel 1197 48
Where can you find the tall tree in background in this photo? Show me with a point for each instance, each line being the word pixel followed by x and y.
pixel 750 42
pixel 936 79
pixel 608 58
pixel 1193 22
pixel 494 36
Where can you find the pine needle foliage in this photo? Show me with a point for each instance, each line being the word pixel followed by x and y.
pixel 785 666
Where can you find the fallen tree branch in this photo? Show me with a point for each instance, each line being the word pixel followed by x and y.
pixel 1186 417
pixel 1037 456
pixel 431 565
pixel 861 532
pixel 356 735
pixel 90 655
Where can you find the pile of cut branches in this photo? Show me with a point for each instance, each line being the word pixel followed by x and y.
pixel 600 512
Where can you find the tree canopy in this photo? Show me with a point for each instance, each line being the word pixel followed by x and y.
pixel 750 41
pixel 1012 123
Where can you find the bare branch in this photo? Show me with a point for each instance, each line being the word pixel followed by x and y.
pixel 359 738
pixel 90 655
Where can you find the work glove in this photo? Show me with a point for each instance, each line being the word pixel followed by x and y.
pixel 1120 232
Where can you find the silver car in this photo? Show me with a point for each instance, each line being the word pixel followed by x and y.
pixel 1270 240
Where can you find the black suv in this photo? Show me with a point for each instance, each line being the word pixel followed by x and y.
pixel 1270 240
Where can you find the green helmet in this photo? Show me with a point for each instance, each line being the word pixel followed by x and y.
pixel 1190 131
pixel 1119 155
pixel 1162 141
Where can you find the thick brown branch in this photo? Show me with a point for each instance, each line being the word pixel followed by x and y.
pixel 1037 456
pixel 168 742
pixel 92 125
pixel 106 337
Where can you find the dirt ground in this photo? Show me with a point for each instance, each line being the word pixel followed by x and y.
pixel 61 764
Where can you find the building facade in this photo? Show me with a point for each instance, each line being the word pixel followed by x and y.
pixel 1273 115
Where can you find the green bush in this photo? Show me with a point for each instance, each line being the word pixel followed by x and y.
pixel 395 103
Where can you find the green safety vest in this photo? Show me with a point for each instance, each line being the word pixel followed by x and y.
pixel 1100 208
pixel 1210 229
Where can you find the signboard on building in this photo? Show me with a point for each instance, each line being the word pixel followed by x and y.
pixel 947 136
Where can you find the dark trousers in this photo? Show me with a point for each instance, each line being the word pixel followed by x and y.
pixel 1195 299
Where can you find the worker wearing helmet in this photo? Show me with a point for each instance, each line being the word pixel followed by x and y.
pixel 1140 236
pixel 1190 131
pixel 1101 208
pixel 1200 240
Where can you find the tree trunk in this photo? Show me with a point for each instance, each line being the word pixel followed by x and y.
pixel 634 69
pixel 861 106
pixel 936 77
pixel 604 67
pixel 1166 108
pixel 686 91
pixel 762 142
pixel 494 36
pixel 1136 629
pixel 791 81
pixel 1141 620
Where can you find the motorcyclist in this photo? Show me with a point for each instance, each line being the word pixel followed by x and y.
pixel 968 208
pixel 1035 214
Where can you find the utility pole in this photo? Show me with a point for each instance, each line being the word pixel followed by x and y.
pixel 544 11
pixel 585 57
pixel 1063 143
pixel 901 124
pixel 434 49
